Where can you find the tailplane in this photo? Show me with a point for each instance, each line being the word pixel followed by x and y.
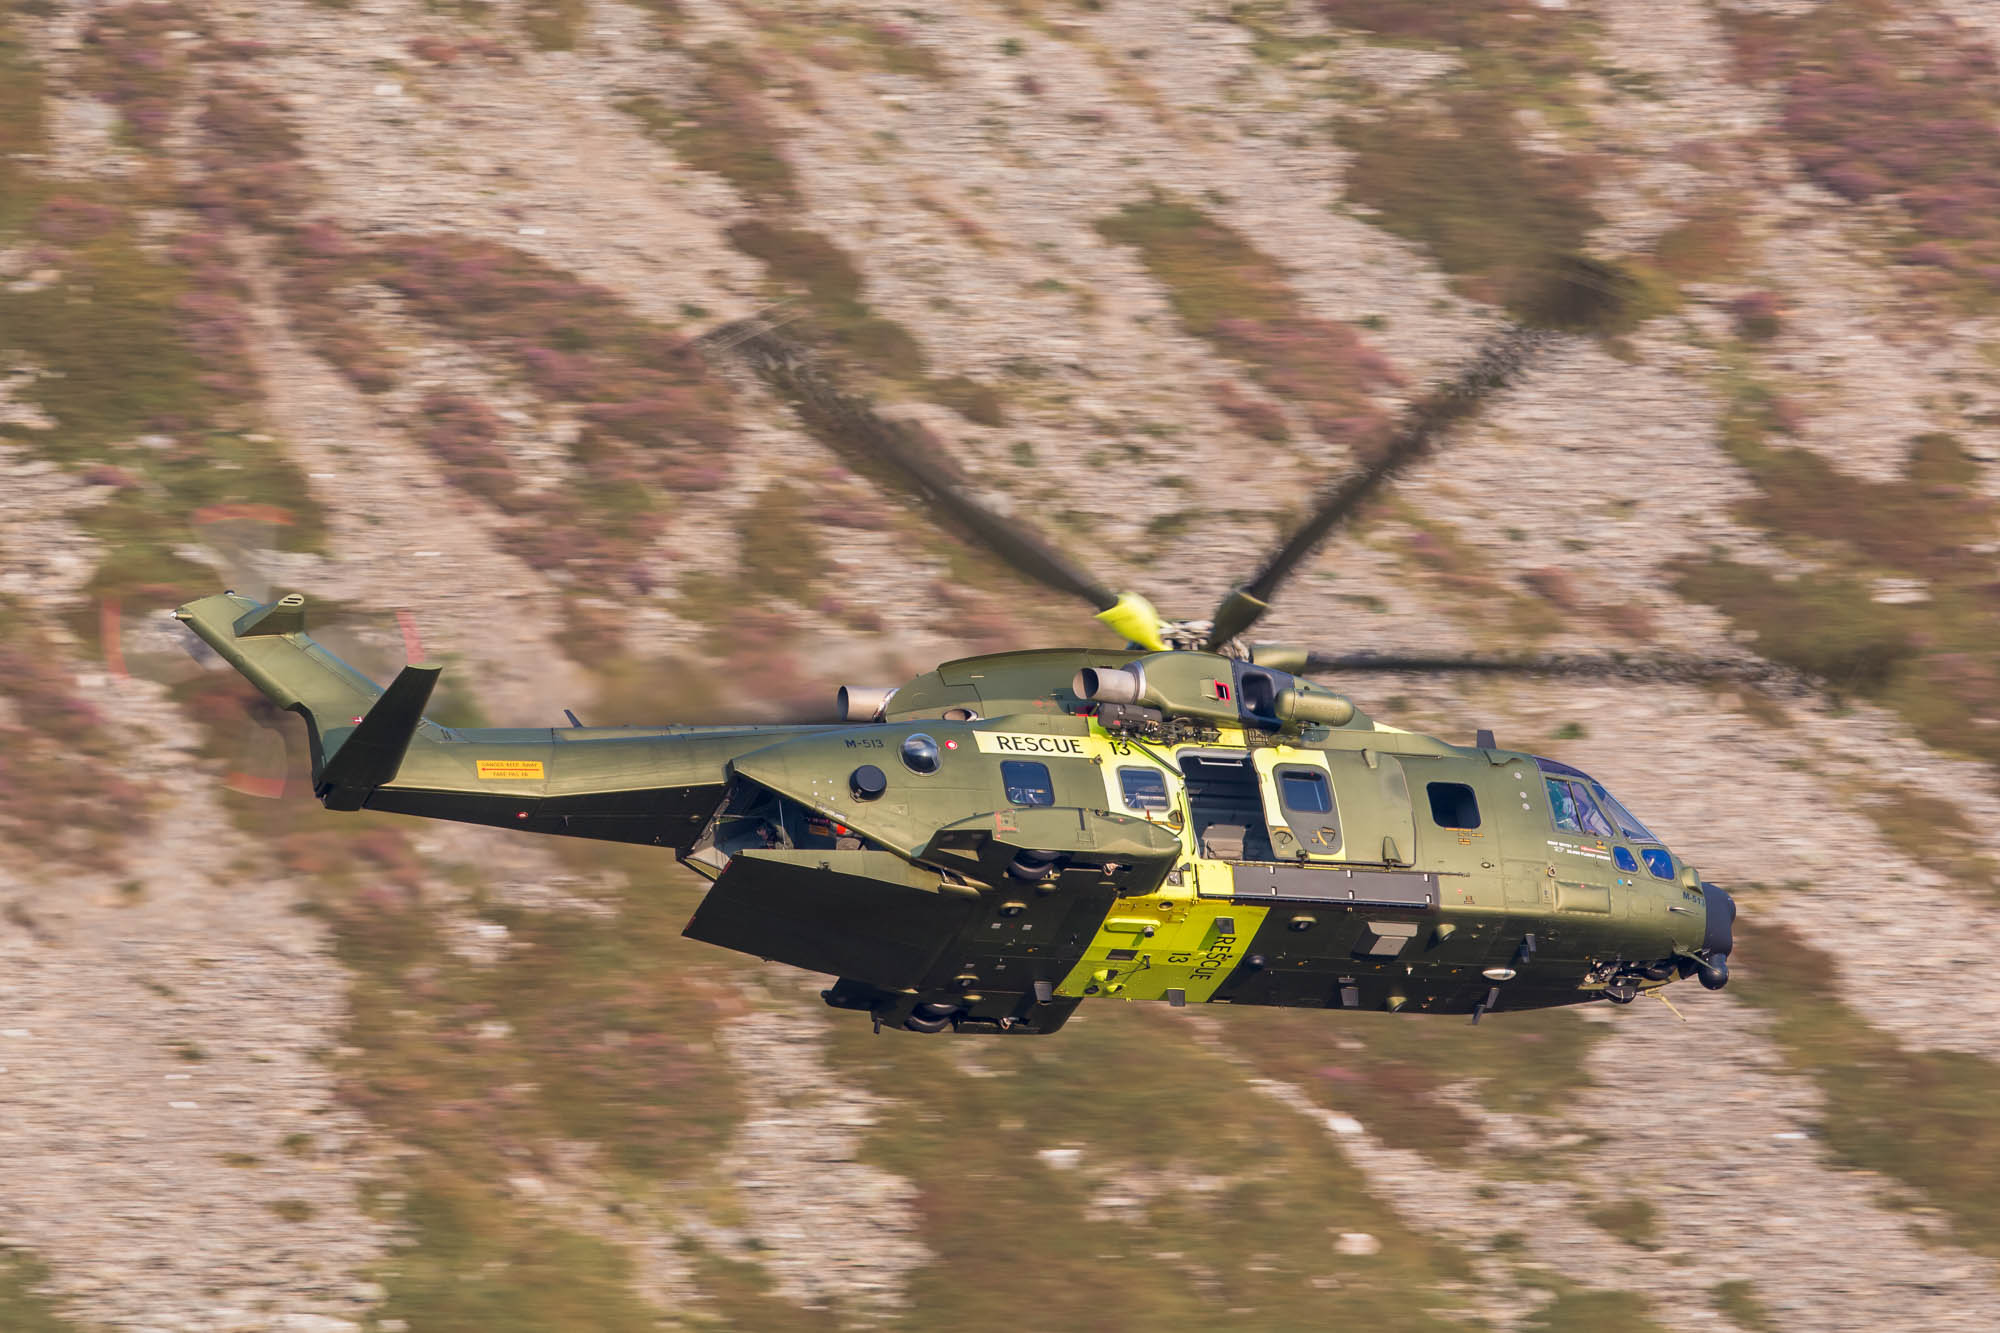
pixel 359 732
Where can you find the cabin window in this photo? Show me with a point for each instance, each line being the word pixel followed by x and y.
pixel 1304 790
pixel 1659 864
pixel 1143 788
pixel 1453 805
pixel 1571 807
pixel 1027 782
pixel 1625 860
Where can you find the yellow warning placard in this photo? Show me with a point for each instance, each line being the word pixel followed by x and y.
pixel 510 768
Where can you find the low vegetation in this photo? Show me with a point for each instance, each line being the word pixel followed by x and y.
pixel 822 277
pixel 1389 1071
pixel 554 25
pixel 1935 833
pixel 62 791
pixel 1900 118
pixel 23 1309
pixel 252 168
pixel 1092 1180
pixel 838 41
pixel 1457 570
pixel 1228 292
pixel 827 280
pixel 22 121
pixel 133 60
pixel 1587 1309
pixel 559 1040
pixel 1738 1302
pixel 106 329
pixel 1508 223
pixel 1921 1118
pixel 724 129
pixel 1934 655
pixel 464 433
pixel 656 417
pixel 1483 24
pixel 143 373
pixel 1457 173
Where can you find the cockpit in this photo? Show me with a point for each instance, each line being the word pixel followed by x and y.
pixel 756 817
pixel 1579 803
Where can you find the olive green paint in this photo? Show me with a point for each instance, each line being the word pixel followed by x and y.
pixel 893 855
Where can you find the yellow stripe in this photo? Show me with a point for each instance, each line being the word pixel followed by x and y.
pixel 1186 950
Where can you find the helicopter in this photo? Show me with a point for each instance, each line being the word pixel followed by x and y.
pixel 1190 819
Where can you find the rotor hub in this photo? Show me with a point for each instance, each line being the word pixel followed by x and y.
pixel 1191 636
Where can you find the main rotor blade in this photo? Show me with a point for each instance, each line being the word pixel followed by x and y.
pixel 899 454
pixel 1659 669
pixel 1499 363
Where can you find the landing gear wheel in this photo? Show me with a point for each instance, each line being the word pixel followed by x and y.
pixel 1624 990
pixel 931 1017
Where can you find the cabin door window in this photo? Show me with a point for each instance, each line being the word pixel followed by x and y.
pixel 1225 806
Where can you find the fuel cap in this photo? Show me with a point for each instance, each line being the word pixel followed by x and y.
pixel 867 782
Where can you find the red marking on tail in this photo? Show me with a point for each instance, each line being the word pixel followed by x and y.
pixel 110 630
pixel 413 645
pixel 226 513
pixel 248 784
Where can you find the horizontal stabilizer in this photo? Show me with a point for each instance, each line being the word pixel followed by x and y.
pixel 374 750
pixel 287 615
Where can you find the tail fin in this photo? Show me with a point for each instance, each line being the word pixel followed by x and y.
pixel 374 750
pixel 359 733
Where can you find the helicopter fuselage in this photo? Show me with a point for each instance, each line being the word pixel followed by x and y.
pixel 1014 834
pixel 1357 869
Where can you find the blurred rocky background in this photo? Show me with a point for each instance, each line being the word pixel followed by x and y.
pixel 397 303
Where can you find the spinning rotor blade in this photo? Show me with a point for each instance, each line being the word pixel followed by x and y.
pixel 243 541
pixel 1499 363
pixel 906 457
pixel 259 762
pixel 1667 668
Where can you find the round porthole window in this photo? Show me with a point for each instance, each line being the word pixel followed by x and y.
pixel 920 753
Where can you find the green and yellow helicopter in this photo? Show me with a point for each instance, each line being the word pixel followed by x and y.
pixel 1190 819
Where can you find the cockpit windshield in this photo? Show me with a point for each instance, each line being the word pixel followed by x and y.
pixel 1574 802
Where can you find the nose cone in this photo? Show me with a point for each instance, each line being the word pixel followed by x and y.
pixel 1718 936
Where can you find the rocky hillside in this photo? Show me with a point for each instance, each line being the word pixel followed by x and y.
pixel 402 303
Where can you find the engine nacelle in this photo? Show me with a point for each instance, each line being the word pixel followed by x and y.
pixel 863 703
pixel 1120 685
pixel 1314 708
pixel 1212 689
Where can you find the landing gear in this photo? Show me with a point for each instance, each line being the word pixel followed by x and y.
pixel 932 1017
pixel 1622 990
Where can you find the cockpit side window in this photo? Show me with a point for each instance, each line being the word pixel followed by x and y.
pixel 1143 788
pixel 1562 805
pixel 1593 818
pixel 1572 809
pixel 1585 788
pixel 1627 823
